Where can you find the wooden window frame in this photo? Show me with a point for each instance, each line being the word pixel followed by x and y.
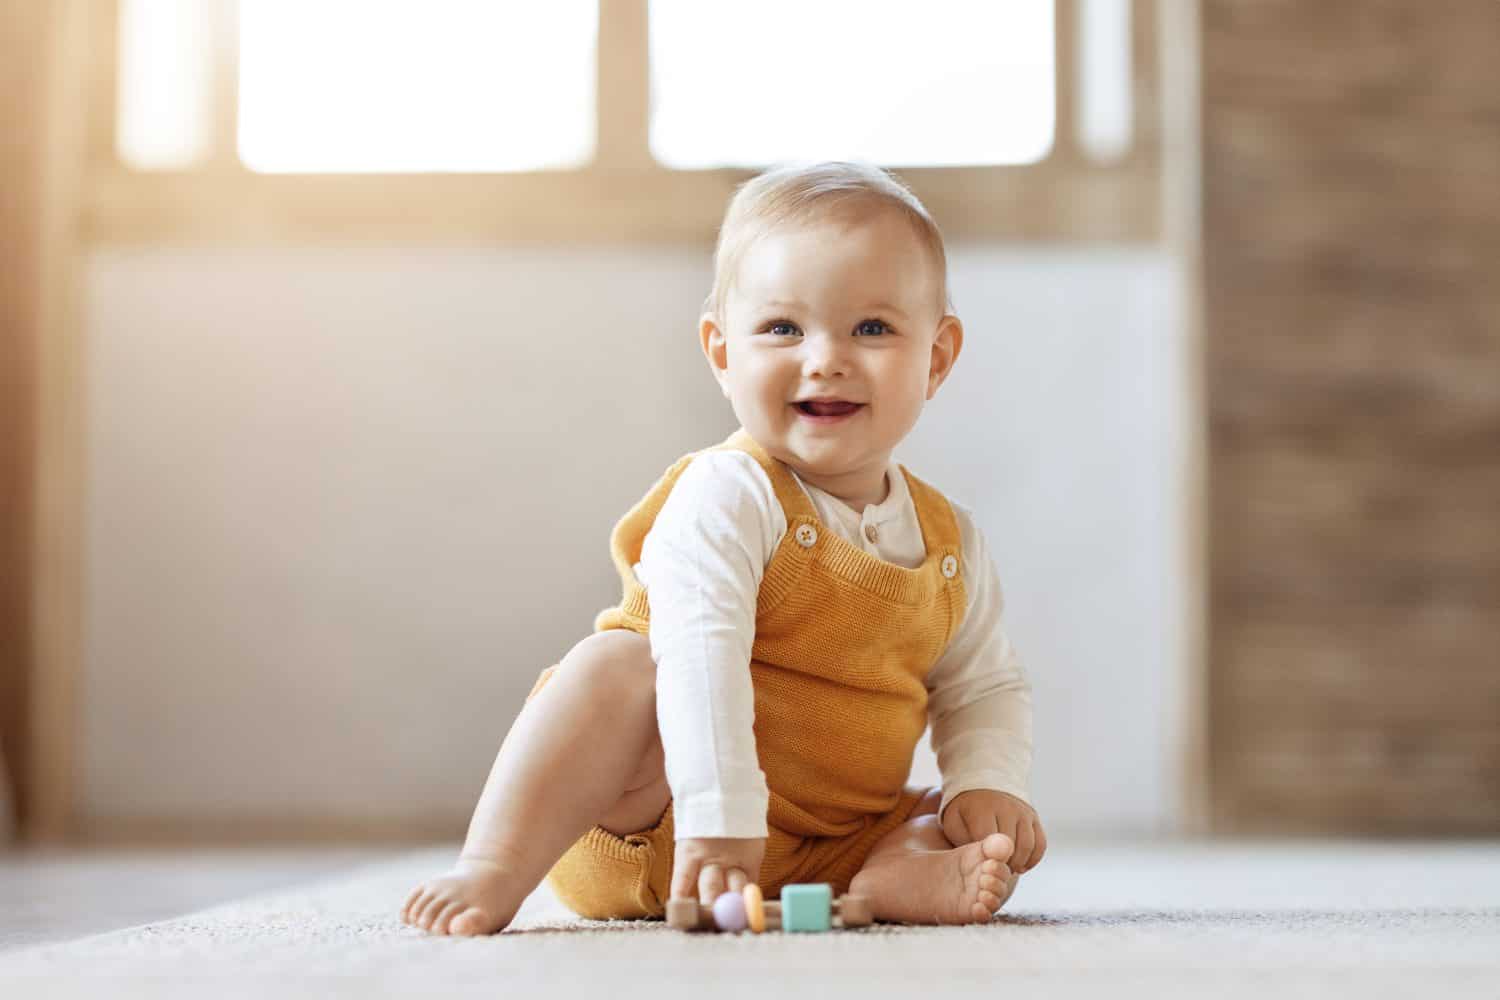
pixel 624 195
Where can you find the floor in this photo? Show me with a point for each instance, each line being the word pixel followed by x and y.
pixel 1242 919
pixel 55 895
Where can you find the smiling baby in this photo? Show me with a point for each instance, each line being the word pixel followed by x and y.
pixel 797 609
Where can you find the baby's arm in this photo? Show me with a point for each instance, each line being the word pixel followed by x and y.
pixel 980 707
pixel 702 564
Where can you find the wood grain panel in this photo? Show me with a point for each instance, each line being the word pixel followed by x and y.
pixel 23 32
pixel 1351 243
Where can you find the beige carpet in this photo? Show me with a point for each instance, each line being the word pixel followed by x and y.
pixel 1274 920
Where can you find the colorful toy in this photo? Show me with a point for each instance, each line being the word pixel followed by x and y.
pixel 803 907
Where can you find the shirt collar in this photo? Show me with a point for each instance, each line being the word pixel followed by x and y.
pixel 895 502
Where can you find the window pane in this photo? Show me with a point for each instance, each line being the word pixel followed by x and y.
pixel 165 79
pixel 1105 74
pixel 944 82
pixel 401 85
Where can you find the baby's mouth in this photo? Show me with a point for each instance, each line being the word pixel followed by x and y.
pixel 827 408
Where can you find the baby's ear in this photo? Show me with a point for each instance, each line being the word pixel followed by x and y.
pixel 946 345
pixel 715 351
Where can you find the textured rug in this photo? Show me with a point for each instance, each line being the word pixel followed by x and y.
pixel 1276 920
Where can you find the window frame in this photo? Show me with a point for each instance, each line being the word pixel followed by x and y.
pixel 624 195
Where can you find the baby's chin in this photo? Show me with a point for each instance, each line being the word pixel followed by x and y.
pixel 821 452
pixel 826 458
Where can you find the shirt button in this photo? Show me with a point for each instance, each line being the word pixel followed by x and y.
pixel 950 567
pixel 807 535
pixel 870 532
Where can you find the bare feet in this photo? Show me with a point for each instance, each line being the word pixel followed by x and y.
pixel 960 885
pixel 476 897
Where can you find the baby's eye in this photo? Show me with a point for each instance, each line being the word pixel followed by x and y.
pixel 871 327
pixel 778 328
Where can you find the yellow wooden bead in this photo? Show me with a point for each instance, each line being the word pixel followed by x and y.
pixel 755 909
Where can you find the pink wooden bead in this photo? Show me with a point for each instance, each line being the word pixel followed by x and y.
pixel 729 912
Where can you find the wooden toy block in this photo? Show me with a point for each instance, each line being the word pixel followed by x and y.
pixel 802 908
pixel 807 908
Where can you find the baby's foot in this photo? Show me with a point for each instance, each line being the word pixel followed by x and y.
pixel 962 885
pixel 476 897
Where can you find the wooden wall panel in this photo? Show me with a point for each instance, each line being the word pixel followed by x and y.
pixel 1351 251
pixel 22 72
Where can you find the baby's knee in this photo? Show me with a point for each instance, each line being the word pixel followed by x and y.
pixel 614 664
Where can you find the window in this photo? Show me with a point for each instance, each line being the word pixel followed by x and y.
pixel 166 73
pixel 1105 75
pixel 949 83
pixel 630 120
pixel 354 86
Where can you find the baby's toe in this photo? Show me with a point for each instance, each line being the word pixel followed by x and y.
pixel 990 883
pixel 997 847
pixel 430 911
pixel 447 913
pixel 468 923
pixel 414 904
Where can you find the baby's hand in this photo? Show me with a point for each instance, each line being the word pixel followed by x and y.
pixel 709 866
pixel 975 814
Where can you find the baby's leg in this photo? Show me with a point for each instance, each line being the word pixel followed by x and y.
pixel 585 750
pixel 915 875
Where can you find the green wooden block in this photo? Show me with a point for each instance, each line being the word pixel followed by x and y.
pixel 807 907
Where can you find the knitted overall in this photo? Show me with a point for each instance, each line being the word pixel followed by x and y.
pixel 843 640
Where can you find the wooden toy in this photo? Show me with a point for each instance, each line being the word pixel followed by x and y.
pixel 808 908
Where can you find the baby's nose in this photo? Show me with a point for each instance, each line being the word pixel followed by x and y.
pixel 824 355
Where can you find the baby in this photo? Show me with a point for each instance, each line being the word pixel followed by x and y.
pixel 812 606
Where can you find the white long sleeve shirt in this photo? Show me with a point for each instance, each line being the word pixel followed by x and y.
pixel 702 564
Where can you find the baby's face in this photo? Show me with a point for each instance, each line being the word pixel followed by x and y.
pixel 850 311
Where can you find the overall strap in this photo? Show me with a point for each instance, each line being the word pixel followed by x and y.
pixel 794 502
pixel 935 514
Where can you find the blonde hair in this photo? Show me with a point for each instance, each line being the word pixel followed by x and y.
pixel 808 193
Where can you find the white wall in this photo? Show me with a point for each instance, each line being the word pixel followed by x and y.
pixel 344 505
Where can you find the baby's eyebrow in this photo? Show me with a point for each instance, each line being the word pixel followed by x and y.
pixel 874 307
